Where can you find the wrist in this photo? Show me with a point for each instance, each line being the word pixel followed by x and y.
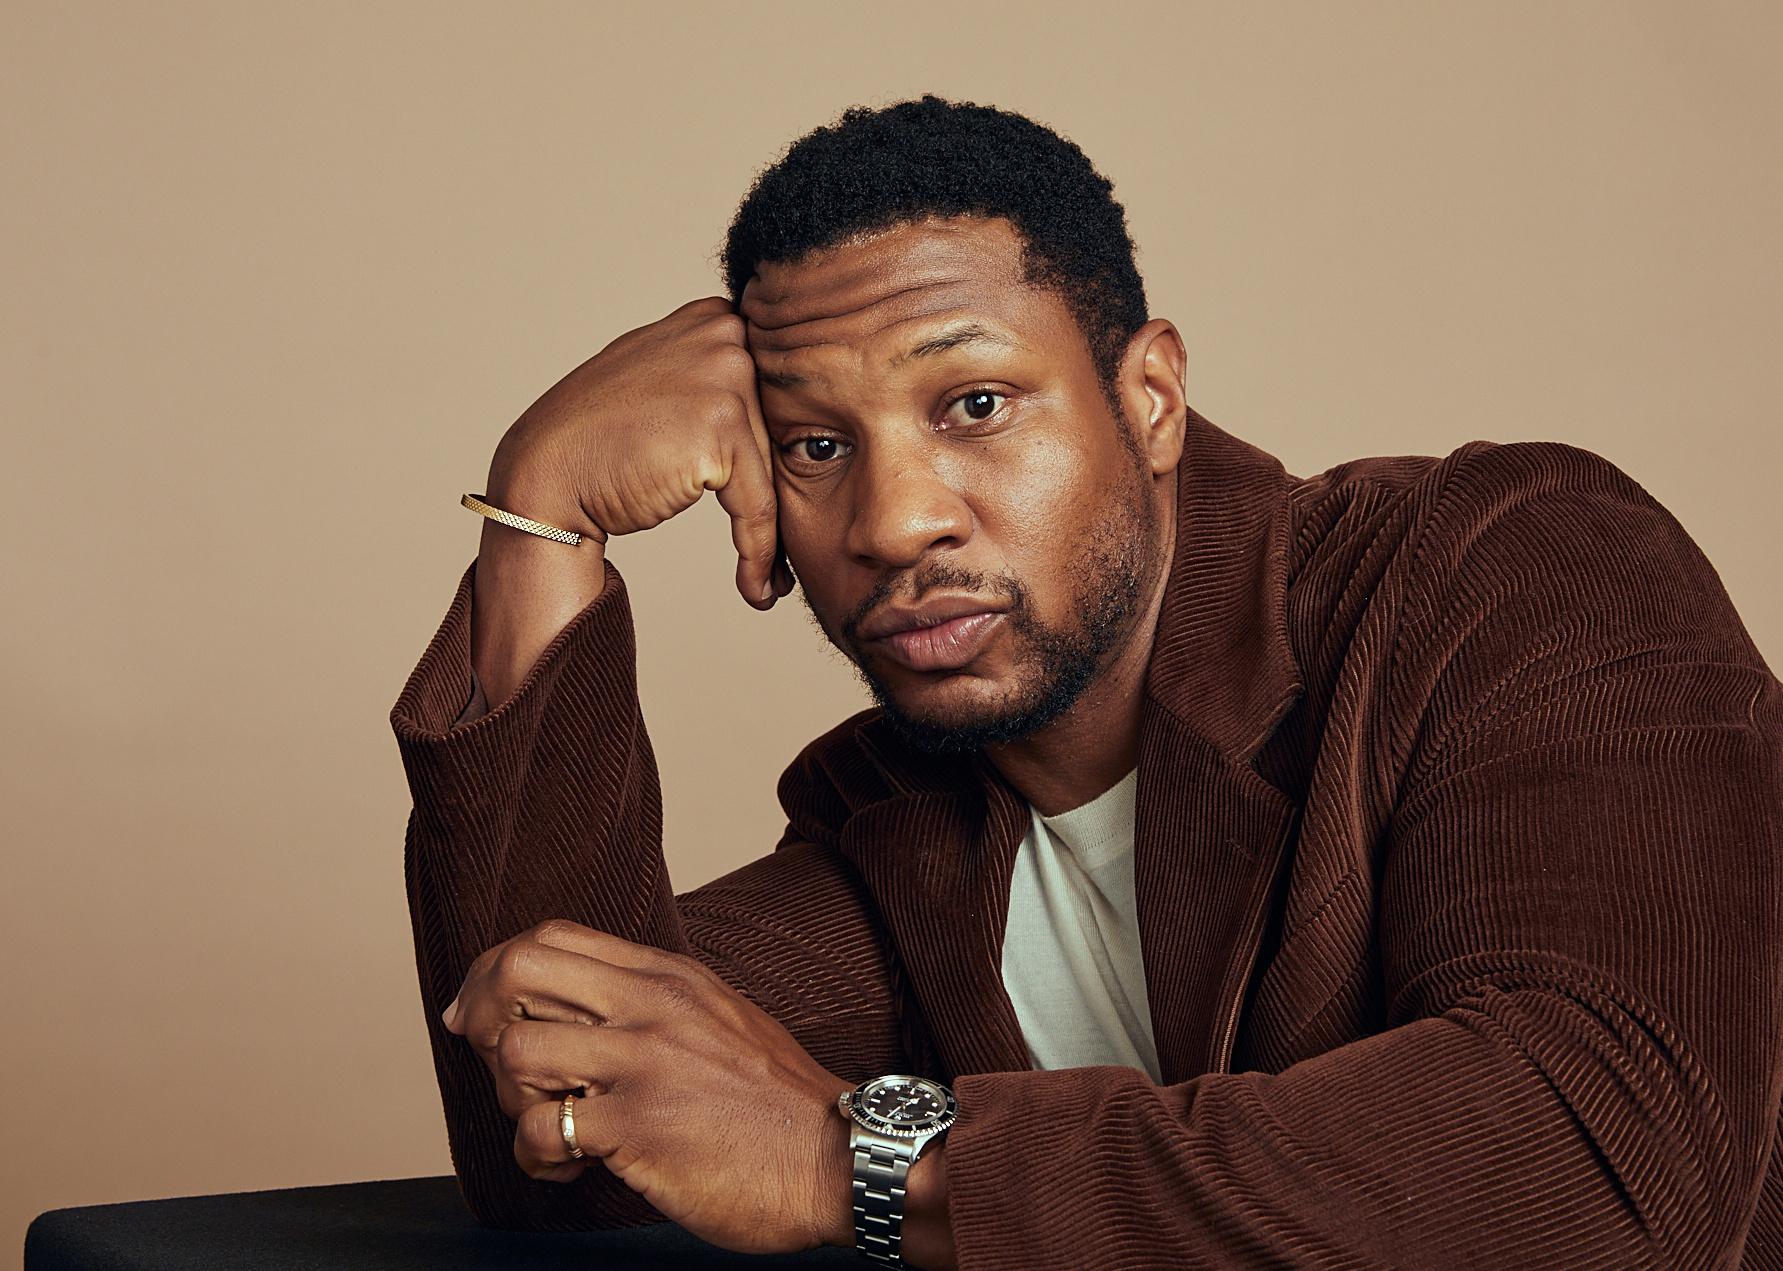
pixel 833 1204
pixel 532 483
pixel 834 1209
pixel 925 1223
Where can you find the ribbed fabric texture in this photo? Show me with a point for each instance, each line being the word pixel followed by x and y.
pixel 1458 872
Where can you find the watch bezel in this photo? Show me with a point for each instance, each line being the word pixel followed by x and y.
pixel 902 1129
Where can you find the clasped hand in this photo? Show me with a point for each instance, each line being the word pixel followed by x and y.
pixel 689 1092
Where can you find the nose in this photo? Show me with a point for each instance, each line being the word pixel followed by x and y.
pixel 903 507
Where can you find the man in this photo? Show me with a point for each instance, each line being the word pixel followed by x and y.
pixel 1372 868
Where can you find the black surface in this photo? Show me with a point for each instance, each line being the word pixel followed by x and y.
pixel 403 1222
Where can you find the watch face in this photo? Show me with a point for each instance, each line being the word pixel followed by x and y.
pixel 904 1105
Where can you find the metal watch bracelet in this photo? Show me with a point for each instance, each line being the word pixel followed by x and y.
pixel 879 1173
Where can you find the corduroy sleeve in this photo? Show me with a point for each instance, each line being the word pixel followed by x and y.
pixel 549 807
pixel 1580 941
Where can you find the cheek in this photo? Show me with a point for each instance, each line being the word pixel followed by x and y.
pixel 1036 502
pixel 813 549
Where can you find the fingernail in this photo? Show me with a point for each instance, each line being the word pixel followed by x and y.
pixel 450 1014
pixel 767 591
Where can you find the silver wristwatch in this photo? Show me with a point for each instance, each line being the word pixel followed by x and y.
pixel 895 1118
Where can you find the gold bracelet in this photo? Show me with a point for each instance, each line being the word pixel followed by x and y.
pixel 476 504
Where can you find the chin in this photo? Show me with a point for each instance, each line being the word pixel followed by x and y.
pixel 963 713
pixel 966 693
pixel 964 716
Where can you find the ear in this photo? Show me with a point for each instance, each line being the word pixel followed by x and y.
pixel 1151 383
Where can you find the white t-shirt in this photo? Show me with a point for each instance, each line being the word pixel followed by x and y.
pixel 1071 961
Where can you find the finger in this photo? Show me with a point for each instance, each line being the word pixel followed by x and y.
pixel 616 951
pixel 748 496
pixel 758 427
pixel 592 942
pixel 568 1172
pixel 631 983
pixel 539 1144
pixel 557 1165
pixel 454 1013
pixel 539 1062
pixel 538 982
pixel 779 568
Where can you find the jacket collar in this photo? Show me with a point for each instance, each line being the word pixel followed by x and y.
pixel 935 840
pixel 1221 663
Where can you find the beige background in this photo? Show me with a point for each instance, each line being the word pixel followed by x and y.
pixel 277 279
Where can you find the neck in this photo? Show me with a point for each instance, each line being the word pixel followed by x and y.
pixel 1093 745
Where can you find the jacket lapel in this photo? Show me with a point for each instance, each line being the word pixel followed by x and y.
pixel 1208 841
pixel 938 856
pixel 937 844
pixel 1210 834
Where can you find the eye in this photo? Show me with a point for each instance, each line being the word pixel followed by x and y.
pixel 980 404
pixel 824 449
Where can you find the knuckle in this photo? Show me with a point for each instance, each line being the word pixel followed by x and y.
pixel 733 359
pixel 692 966
pixel 707 304
pixel 504 971
pixel 537 1129
pixel 728 326
pixel 481 962
pixel 552 929
pixel 521 966
pixel 514 1047
pixel 675 992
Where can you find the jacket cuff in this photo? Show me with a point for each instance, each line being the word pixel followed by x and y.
pixel 1034 1125
pixel 458 760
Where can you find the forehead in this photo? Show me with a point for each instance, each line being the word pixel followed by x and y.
pixel 877 289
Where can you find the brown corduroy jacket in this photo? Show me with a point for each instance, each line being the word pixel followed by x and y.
pixel 1459 870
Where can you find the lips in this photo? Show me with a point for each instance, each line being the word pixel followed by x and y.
pixel 944 645
pixel 890 620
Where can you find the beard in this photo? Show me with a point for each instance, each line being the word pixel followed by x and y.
pixel 1054 664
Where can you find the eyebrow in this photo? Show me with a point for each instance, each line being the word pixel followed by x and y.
pixel 951 338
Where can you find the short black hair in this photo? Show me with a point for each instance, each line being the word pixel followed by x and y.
pixel 875 168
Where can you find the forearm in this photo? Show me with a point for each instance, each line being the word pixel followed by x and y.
pixel 559 784
pixel 528 588
pixel 1524 1127
pixel 548 809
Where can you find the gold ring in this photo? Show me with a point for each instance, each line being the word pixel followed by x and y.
pixel 566 1123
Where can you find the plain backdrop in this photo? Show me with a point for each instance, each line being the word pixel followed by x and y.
pixel 277 278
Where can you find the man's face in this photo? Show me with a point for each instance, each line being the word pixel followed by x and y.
pixel 983 474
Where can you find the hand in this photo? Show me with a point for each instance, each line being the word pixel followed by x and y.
pixel 641 430
pixel 697 1098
